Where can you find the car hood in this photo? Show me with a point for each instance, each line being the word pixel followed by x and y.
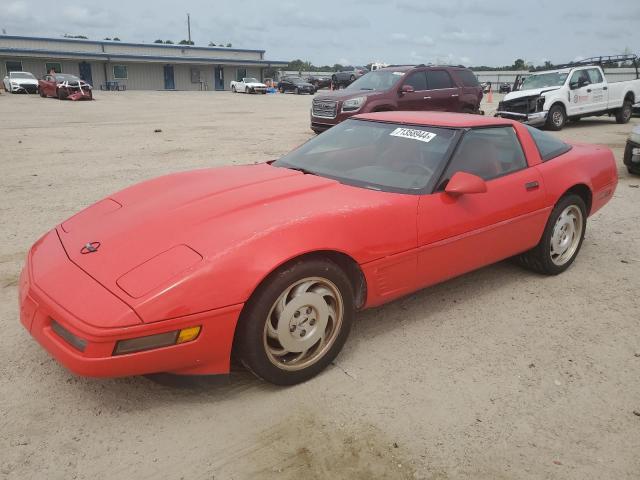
pixel 343 95
pixel 147 234
pixel 255 84
pixel 303 84
pixel 527 93
pixel 27 81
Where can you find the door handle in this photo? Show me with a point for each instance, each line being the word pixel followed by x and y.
pixel 588 90
pixel 605 88
pixel 532 185
pixel 454 95
pixel 427 98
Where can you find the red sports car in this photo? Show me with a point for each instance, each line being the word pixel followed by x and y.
pixel 270 262
pixel 64 87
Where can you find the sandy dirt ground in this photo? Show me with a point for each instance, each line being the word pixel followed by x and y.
pixel 499 374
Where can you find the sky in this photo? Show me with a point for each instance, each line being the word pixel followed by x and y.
pixel 353 32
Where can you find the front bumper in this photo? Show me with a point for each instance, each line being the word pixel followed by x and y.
pixel 53 290
pixel 324 123
pixel 23 88
pixel 537 118
pixel 632 156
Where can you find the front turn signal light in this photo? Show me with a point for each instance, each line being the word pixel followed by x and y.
pixel 150 342
pixel 188 334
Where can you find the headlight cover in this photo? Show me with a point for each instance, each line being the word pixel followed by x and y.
pixel 635 135
pixel 353 104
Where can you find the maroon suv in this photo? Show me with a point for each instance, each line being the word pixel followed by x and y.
pixel 444 88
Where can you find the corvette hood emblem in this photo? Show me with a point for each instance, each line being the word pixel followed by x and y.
pixel 90 247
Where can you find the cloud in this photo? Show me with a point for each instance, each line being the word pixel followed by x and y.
pixel 461 36
pixel 424 40
pixel 450 8
pixel 399 37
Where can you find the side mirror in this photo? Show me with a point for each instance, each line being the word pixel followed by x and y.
pixel 463 183
pixel 573 85
pixel 407 89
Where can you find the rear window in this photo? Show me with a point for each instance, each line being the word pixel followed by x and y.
pixel 548 145
pixel 437 79
pixel 468 78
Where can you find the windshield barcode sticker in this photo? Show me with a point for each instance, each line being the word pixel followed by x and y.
pixel 413 134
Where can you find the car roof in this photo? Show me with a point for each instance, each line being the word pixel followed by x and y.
pixel 436 119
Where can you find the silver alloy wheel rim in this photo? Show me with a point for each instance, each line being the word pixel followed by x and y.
pixel 566 235
pixel 557 118
pixel 303 323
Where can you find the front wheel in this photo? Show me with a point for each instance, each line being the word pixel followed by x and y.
pixel 297 91
pixel 623 115
pixel 296 322
pixel 556 118
pixel 561 240
pixel 62 94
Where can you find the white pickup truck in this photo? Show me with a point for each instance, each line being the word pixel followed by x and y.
pixel 552 97
pixel 248 85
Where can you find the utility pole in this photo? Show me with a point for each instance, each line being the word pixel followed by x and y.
pixel 189 27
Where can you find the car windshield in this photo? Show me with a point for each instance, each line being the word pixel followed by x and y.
pixel 22 75
pixel 375 155
pixel 250 80
pixel 377 80
pixel 64 77
pixel 295 80
pixel 551 79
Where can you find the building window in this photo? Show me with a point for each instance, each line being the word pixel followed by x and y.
pixel 13 66
pixel 240 74
pixel 55 66
pixel 120 72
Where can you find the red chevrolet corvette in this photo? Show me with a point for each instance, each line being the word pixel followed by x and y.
pixel 270 262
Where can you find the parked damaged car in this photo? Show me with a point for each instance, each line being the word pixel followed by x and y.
pixel 64 87
pixel 20 82
pixel 550 98
pixel 296 85
pixel 319 81
pixel 632 151
pixel 407 87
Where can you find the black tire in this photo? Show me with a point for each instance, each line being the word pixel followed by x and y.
pixel 633 171
pixel 42 94
pixel 539 258
pixel 281 89
pixel 62 94
pixel 623 115
pixel 557 118
pixel 249 341
pixel 233 89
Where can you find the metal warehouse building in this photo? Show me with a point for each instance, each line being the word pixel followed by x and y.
pixel 138 66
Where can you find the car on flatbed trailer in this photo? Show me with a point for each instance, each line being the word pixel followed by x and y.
pixel 570 92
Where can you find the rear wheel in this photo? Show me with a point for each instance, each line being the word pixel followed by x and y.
pixel 557 118
pixel 297 91
pixel 296 322
pixel 561 240
pixel 62 94
pixel 233 89
pixel 623 115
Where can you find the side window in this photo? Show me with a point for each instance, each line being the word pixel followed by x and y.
pixel 548 145
pixel 487 153
pixel 417 80
pixel 579 76
pixel 437 79
pixel 594 75
pixel 468 78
